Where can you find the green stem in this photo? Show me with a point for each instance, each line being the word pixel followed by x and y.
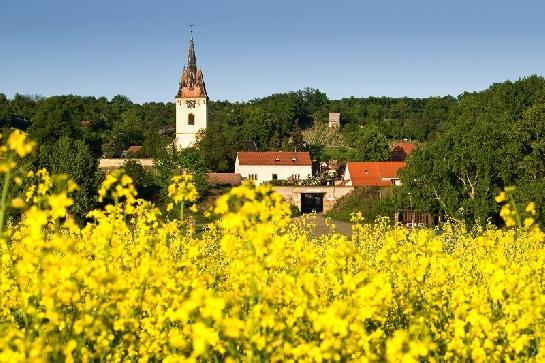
pixel 182 211
pixel 5 188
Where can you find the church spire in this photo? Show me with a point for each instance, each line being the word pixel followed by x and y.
pixel 191 59
pixel 192 82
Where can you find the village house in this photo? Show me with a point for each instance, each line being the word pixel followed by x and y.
pixel 373 173
pixel 264 166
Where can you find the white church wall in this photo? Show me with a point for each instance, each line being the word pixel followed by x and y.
pixel 185 133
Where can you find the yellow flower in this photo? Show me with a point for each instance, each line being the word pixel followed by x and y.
pixel 58 204
pixel 531 208
pixel 528 222
pixel 502 197
pixel 18 142
pixel 18 203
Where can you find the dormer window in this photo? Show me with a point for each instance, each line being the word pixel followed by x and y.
pixel 293 159
pixel 366 171
pixel 277 159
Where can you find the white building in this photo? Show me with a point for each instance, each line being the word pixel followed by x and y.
pixel 273 165
pixel 191 102
pixel 334 119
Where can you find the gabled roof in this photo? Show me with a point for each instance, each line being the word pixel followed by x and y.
pixel 273 158
pixel 373 173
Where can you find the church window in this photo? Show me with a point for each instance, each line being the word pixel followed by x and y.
pixel 191 119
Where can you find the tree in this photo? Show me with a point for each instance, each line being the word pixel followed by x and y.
pixel 143 181
pixel 128 132
pixel 371 145
pixel 57 117
pixel 5 119
pixel 494 140
pixel 73 157
pixel 218 144
pixel 296 141
pixel 170 162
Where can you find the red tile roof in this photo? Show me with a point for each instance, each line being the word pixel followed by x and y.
pixel 373 173
pixel 401 150
pixel 273 158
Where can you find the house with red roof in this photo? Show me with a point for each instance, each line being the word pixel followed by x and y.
pixel 263 166
pixel 373 173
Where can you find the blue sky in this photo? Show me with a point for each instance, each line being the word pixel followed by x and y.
pixel 249 49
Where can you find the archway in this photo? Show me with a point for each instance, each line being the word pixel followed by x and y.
pixel 312 202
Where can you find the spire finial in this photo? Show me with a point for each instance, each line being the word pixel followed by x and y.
pixel 191 26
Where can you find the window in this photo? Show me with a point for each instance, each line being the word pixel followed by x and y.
pixel 191 119
pixel 296 176
pixel 252 176
pixel 275 177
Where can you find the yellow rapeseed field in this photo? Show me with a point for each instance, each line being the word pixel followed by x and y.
pixel 255 286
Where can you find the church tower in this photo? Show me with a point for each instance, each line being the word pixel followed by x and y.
pixel 191 102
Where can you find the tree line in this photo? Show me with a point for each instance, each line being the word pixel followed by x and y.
pixel 471 146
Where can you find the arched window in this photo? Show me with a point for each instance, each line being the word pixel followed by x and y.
pixel 191 119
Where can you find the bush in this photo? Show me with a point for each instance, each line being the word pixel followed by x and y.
pixel 372 202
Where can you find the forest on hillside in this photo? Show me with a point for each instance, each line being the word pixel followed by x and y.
pixel 471 146
pixel 274 123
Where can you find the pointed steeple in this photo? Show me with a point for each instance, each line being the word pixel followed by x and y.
pixel 192 82
pixel 191 59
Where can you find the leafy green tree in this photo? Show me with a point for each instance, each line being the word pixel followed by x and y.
pixel 170 162
pixel 494 140
pixel 74 158
pixel 371 145
pixel 57 117
pixel 218 145
pixel 22 110
pixel 5 120
pixel 129 131
pixel 143 180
